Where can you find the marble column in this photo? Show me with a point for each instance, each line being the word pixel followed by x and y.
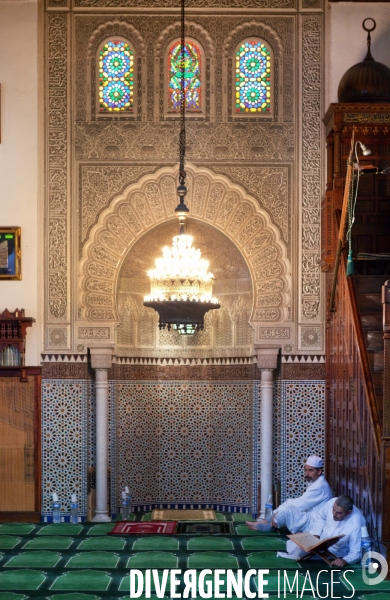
pixel 266 361
pixel 101 358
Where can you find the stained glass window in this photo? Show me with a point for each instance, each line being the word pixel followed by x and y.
pixel 192 76
pixel 116 77
pixel 253 78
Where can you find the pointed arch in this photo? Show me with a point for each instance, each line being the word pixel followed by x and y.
pixel 213 199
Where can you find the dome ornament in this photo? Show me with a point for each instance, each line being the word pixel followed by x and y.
pixel 369 55
pixel 367 81
pixel 365 26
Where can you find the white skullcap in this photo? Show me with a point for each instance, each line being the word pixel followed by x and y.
pixel 315 461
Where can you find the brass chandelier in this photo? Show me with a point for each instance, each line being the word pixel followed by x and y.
pixel 181 285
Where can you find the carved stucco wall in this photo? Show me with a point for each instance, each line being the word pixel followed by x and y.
pixel 98 165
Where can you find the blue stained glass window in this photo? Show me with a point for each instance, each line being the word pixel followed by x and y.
pixel 116 77
pixel 253 78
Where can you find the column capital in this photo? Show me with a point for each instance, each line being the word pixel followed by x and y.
pixel 101 356
pixel 267 357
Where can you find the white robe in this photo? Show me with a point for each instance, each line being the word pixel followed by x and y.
pixel 324 525
pixel 297 514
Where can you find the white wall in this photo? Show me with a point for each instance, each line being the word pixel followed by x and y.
pixel 19 157
pixel 346 40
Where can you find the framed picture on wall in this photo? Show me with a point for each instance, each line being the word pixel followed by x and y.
pixel 10 253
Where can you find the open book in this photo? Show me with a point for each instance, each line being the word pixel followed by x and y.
pixel 312 545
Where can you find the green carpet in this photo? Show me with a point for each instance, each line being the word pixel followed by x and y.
pixel 12 596
pixel 7 542
pixel 48 543
pixel 204 542
pixel 378 596
pixel 359 585
pixel 43 559
pixel 16 528
pixel 21 579
pixel 82 562
pixel 89 560
pixel 212 560
pixel 156 542
pixel 100 529
pixel 264 543
pixel 88 580
pixel 108 543
pixel 269 560
pixel 153 560
pixel 60 529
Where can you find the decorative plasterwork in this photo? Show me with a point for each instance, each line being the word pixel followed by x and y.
pixel 257 29
pixel 57 162
pixel 267 357
pixel 101 356
pixel 109 28
pixel 213 199
pixel 310 292
pixel 189 3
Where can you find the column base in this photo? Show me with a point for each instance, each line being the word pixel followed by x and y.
pixel 101 518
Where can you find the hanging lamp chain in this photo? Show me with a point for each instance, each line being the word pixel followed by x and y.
pixel 182 143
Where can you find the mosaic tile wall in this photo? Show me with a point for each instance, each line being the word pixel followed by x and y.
pixel 192 442
pixel 186 442
pixel 64 448
pixel 298 431
pixel 302 430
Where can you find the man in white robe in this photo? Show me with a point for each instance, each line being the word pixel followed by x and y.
pixel 296 514
pixel 337 517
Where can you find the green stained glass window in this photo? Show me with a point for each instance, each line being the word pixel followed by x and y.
pixel 253 78
pixel 116 77
pixel 192 76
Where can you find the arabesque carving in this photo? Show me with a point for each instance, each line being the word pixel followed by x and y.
pixel 206 191
pixel 311 169
pixel 57 169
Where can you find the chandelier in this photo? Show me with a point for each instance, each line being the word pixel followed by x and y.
pixel 181 285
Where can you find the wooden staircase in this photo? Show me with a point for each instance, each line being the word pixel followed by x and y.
pixel 368 289
pixel 358 335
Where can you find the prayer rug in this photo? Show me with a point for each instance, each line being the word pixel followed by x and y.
pixel 123 527
pixel 166 514
pixel 224 527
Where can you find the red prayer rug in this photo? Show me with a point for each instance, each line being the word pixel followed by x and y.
pixel 124 527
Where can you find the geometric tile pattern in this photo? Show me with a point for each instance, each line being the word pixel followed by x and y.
pixel 185 441
pixel 64 424
pixel 302 431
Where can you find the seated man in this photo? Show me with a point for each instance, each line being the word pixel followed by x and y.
pixel 296 513
pixel 337 517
